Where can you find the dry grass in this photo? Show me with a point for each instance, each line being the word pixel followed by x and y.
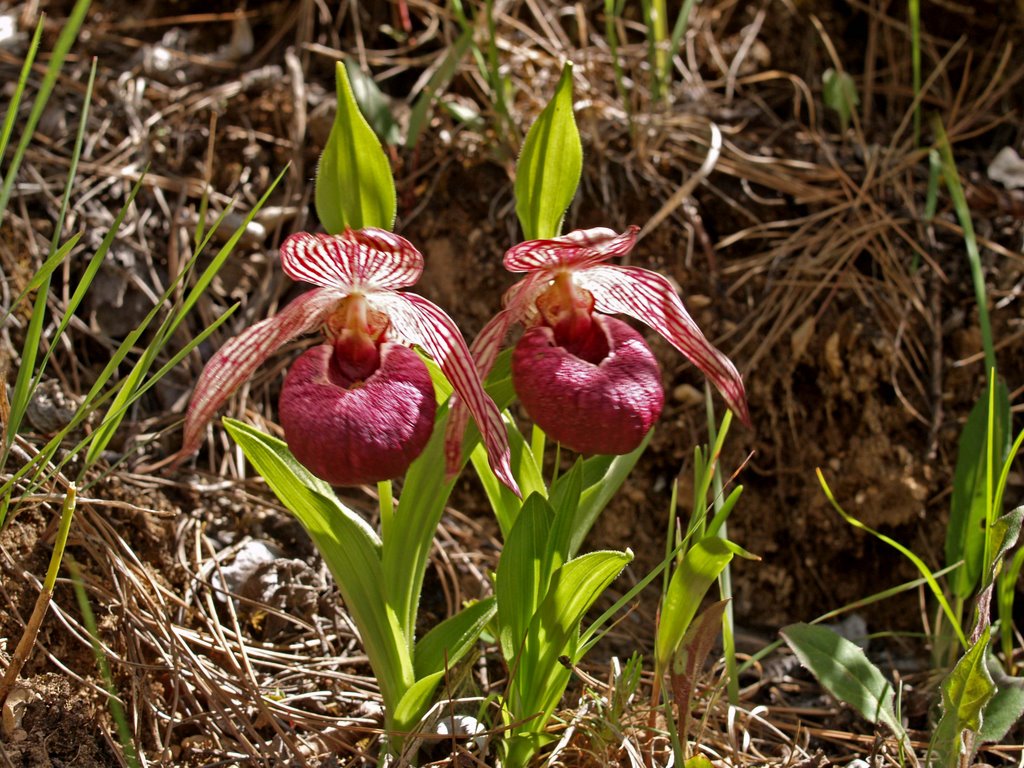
pixel 789 219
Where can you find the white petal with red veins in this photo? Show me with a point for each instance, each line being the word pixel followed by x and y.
pixel 365 260
pixel 241 356
pixel 578 249
pixel 651 299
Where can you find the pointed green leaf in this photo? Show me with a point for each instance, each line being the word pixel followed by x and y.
pixel 602 478
pixel 522 578
pixel 448 642
pixel 965 534
pixel 700 568
pixel 565 501
pixel 548 171
pixel 845 672
pixel 349 547
pixel 503 501
pixel 414 704
pixel 541 678
pixel 965 692
pixel 372 103
pixel 354 186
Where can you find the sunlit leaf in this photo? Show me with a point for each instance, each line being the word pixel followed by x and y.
pixel 349 547
pixel 448 641
pixel 549 166
pixel 965 693
pixel 965 533
pixel 844 671
pixel 700 568
pixel 354 186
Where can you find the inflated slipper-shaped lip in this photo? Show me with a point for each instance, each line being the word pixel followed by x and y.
pixel 364 433
pixel 606 407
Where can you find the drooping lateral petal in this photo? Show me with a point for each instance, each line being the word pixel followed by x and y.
pixel 579 248
pixel 484 351
pixel 519 308
pixel 418 321
pixel 651 299
pixel 354 260
pixel 241 356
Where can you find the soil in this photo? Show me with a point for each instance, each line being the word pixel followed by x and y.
pixel 860 354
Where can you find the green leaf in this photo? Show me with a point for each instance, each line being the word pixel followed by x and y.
pixel 349 547
pixel 354 186
pixel 448 642
pixel 522 578
pixel 414 704
pixel 965 693
pixel 541 678
pixel 504 502
pixel 565 501
pixel 1003 536
pixel 549 167
pixel 700 568
pixel 689 659
pixel 411 534
pixel 845 672
pixel 965 534
pixel 839 93
pixel 602 478
pixel 1005 708
pixel 372 103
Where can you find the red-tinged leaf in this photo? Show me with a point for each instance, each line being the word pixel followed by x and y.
pixel 241 356
pixel 651 299
pixel 355 260
pixel 697 643
pixel 579 249
pixel 418 321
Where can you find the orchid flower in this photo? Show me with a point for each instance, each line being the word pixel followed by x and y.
pixel 587 379
pixel 359 408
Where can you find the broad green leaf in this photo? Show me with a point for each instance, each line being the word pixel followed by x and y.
pixel 1005 708
pixel 965 693
pixel 448 642
pixel 411 535
pixel 503 501
pixel 541 678
pixel 965 534
pixel 1006 593
pixel 414 704
pixel 349 547
pixel 354 186
pixel 602 478
pixel 548 171
pixel 522 578
pixel 372 103
pixel 565 501
pixel 700 568
pixel 845 672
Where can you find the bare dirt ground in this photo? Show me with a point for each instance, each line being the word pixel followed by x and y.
pixel 804 255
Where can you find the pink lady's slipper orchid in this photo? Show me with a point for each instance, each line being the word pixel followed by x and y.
pixel 359 408
pixel 587 379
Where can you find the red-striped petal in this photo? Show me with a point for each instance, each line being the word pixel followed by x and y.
pixel 418 321
pixel 651 299
pixel 356 260
pixel 241 356
pixel 578 249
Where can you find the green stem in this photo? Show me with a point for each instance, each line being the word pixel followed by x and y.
pixel 725 578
